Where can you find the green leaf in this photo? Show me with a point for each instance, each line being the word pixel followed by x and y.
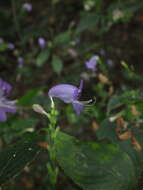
pixel 95 165
pixel 3 47
pixel 137 157
pixel 14 158
pixel 107 130
pixel 57 64
pixel 63 38
pixel 42 57
pixel 128 97
pixel 88 21
pixel 27 99
pixel 24 124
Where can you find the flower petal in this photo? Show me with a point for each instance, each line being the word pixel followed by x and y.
pixel 91 64
pixel 65 92
pixel 41 42
pixel 80 87
pixel 2 115
pixel 77 107
pixel 6 87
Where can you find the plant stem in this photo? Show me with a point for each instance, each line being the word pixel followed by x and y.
pixel 15 21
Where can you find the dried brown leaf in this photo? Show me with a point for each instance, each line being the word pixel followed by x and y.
pixel 103 79
pixel 136 144
pixel 94 126
pixel 134 110
pixel 121 124
pixel 126 135
pixel 43 144
pixel 111 90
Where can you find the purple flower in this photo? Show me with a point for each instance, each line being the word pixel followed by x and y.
pixel 1 41
pixel 110 63
pixel 5 87
pixel 20 60
pixel 41 42
pixel 5 105
pixel 27 7
pixel 68 94
pixel 11 46
pixel 91 64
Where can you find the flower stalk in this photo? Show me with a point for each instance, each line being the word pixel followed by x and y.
pixel 52 131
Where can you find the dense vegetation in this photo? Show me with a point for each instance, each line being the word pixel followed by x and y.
pixel 71 95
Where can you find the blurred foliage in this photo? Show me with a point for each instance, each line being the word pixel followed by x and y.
pixel 73 32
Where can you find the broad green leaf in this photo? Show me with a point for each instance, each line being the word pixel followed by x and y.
pixel 57 64
pixel 129 97
pixel 27 99
pixel 42 57
pixel 95 165
pixel 14 158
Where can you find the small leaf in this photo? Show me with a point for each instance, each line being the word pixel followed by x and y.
pixel 42 57
pixel 57 64
pixel 63 38
pixel 126 135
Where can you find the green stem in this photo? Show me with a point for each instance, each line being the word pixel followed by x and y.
pixel 15 21
pixel 52 131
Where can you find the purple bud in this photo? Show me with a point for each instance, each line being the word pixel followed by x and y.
pixel 103 52
pixel 110 63
pixel 1 41
pixel 20 61
pixel 41 42
pixel 11 46
pixel 68 94
pixel 91 64
pixel 27 7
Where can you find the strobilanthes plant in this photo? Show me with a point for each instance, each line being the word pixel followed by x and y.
pixel 69 94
